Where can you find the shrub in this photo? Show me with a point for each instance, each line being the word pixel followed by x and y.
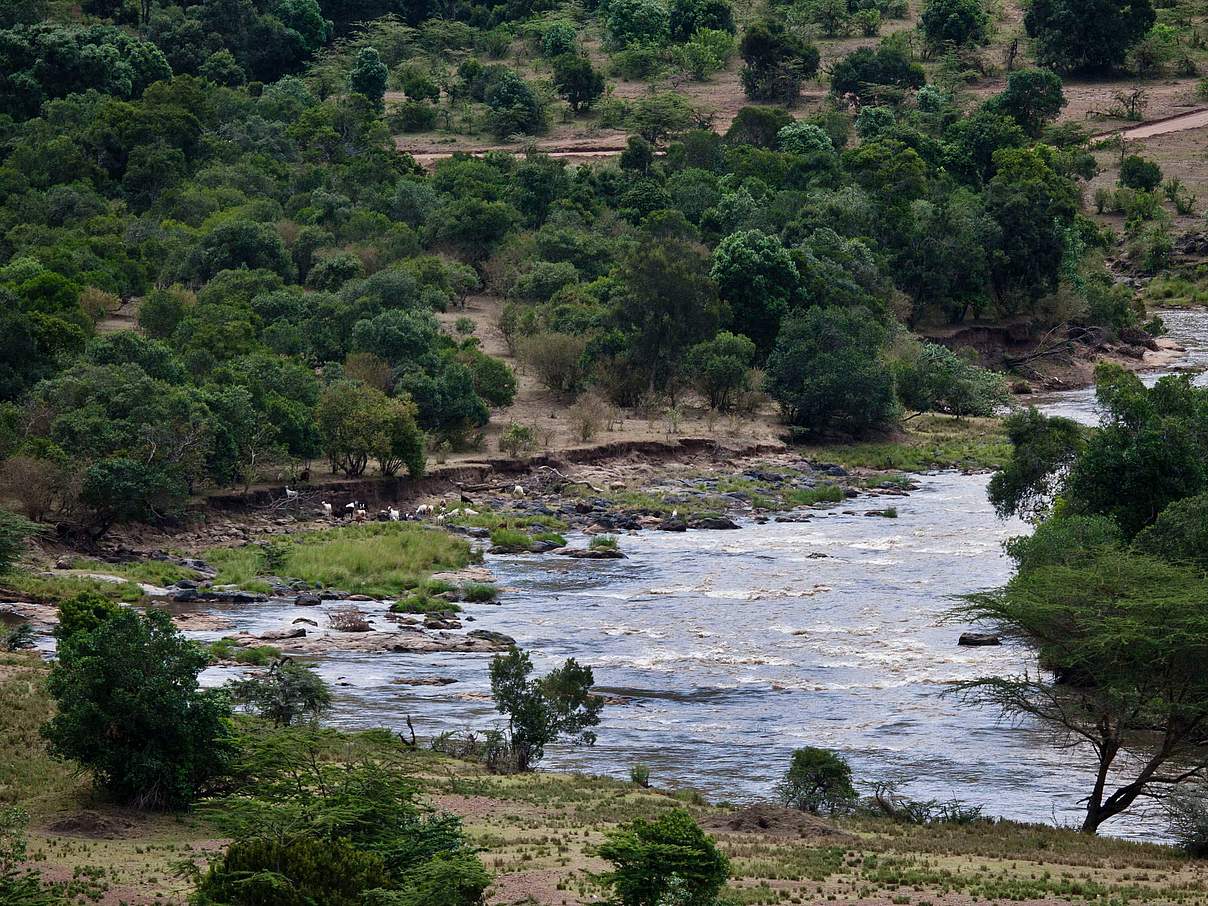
pixel 640 774
pixel 720 368
pixel 285 694
pixel 1140 173
pixel 131 710
pixel 413 116
pixel 557 359
pixel 586 416
pixel 958 22
pixel 637 22
pixel 559 38
pixel 1064 541
pixel 348 619
pixel 14 530
pixel 447 879
pixel 517 439
pixel 800 137
pixel 933 378
pixel 19 638
pixel 652 858
pixel 19 884
pixel 1187 810
pixel 270 872
pixel 817 781
pixel 603 543
pixel 1180 533
pixel 84 612
pixel 577 81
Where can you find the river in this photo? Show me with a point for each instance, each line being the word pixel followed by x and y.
pixel 726 650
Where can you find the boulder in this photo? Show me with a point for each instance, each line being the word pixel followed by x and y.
pixel 495 638
pixel 712 522
pixel 280 635
pixel 424 681
pixel 305 621
pixel 672 524
pixel 308 601
pixel 978 639
pixel 590 553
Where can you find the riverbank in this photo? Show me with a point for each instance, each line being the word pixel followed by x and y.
pixel 538 832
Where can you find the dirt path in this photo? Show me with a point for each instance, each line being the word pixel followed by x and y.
pixel 1193 119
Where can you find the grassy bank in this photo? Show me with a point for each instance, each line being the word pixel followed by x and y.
pixel 925 443
pixel 378 558
pixel 538 834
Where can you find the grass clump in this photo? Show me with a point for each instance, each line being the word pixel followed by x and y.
pixel 492 519
pixel 603 543
pixel 423 604
pixel 551 537
pixel 379 559
pixel 823 493
pixel 228 650
pixel 508 539
pixel 479 592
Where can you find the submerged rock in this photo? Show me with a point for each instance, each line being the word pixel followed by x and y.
pixel 978 639
pixel 713 523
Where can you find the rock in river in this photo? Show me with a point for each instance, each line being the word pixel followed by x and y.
pixel 978 639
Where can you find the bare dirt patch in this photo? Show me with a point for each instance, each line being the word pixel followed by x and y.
pixel 770 820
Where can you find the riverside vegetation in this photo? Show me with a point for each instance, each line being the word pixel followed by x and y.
pixel 217 270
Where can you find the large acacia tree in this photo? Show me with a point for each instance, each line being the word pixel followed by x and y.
pixel 1120 643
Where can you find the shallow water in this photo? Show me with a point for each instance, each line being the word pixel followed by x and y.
pixel 732 648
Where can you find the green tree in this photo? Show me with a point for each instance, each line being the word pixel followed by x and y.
pixel 757 278
pixel 286 693
pixel 652 858
pixel 666 303
pixel 577 81
pixel 865 68
pixel 128 707
pixel 637 22
pixel 933 378
pixel 777 62
pixel 817 781
pixel 368 76
pixel 721 367
pixel 957 22
pixel 84 612
pixel 687 17
pixel 827 374
pixel 1120 644
pixel 358 423
pixel 1033 99
pixel 1086 35
pixel 540 711
pixel 1140 173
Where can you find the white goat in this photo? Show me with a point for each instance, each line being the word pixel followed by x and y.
pixel 326 509
pixel 394 514
pixel 290 494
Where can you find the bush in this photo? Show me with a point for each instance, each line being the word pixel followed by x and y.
pixel 1064 541
pixel 720 368
pixel 1187 810
pixel 14 530
pixel 298 871
pixel 933 378
pixel 559 38
pixel 448 879
pixel 800 137
pixel 640 774
pixel 557 359
pixel 1180 533
pixel 958 22
pixel 287 693
pixel 413 116
pixel 1140 173
pixel 652 858
pixel 517 439
pixel 587 415
pixel 629 22
pixel 818 781
pixel 84 612
pixel 130 709
pixel 479 592
pixel 19 884
pixel 19 638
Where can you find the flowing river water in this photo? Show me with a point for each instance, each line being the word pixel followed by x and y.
pixel 726 650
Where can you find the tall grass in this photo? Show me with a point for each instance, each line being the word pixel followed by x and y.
pixel 381 558
pixel 823 493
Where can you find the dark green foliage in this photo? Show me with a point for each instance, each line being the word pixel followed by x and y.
pixel 513 107
pixel 721 367
pixel 653 858
pixel 827 374
pixel 933 378
pixel 1086 35
pixel 130 710
pixel 40 62
pixel 777 62
pixel 20 885
pixel 1043 449
pixel 817 781
pixel 956 22
pixel 541 711
pixel 285 694
pixel 577 81
pixel 368 75
pixel 1137 172
pixel 1065 541
pixel 297 872
pixel 758 126
pixel 757 278
pixel 1033 99
pixel 867 68
pixel 689 15
pixel 1180 533
pixel 84 612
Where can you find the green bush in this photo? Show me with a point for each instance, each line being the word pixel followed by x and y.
pixel 130 709
pixel 479 592
pixel 413 116
pixel 1180 533
pixel 285 694
pixel 651 858
pixel 817 781
pixel 448 879
pixel 422 603
pixel 84 613
pixel 1064 541
pixel 1140 173
pixel 298 872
